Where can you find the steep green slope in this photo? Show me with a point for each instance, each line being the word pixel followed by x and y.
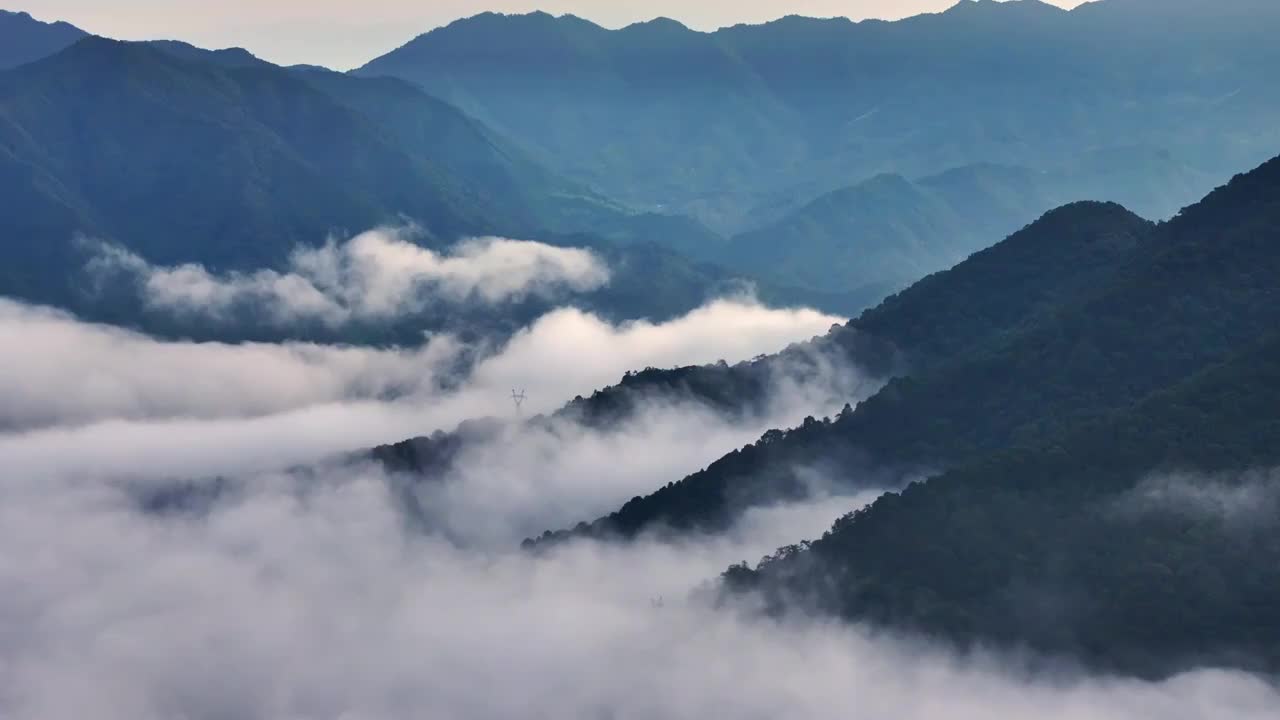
pixel 1203 287
pixel 1198 289
pixel 1000 291
pixel 1140 542
pixel 940 321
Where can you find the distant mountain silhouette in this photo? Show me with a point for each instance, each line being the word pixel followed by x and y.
pixel 24 39
pixel 886 232
pixel 715 124
pixel 848 159
pixel 189 155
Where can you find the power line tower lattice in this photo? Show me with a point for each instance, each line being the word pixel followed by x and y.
pixel 518 397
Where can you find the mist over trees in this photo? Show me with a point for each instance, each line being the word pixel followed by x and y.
pixel 809 369
pixel 1040 417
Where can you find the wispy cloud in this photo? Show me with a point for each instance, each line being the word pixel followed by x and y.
pixel 310 598
pixel 305 593
pixel 1242 500
pixel 378 275
pixel 85 398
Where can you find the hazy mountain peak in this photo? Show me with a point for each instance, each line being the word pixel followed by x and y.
pixel 24 39
pixel 537 19
pixel 806 20
pixel 8 16
pixel 226 57
pixel 888 180
pixel 659 24
pixel 98 47
pixel 995 5
pixel 490 33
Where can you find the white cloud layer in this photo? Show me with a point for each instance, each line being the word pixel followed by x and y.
pixel 63 371
pixel 377 275
pixel 311 595
pixel 84 398
pixel 287 601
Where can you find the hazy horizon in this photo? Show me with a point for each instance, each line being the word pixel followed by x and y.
pixel 335 34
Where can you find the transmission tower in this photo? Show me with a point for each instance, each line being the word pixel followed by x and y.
pixel 518 397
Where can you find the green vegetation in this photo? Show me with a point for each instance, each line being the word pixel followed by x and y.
pixel 992 297
pixel 1044 401
pixel 1058 548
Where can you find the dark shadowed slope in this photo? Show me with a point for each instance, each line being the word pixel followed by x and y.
pixel 1145 542
pixel 1198 289
pixel 1065 255
pixel 191 161
pixel 24 39
pixel 953 315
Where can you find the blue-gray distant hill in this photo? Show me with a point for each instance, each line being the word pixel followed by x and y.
pixel 188 155
pixel 717 125
pixel 884 233
pixel 24 39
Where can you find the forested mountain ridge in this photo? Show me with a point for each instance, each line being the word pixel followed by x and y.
pixel 1143 542
pixel 1068 250
pixel 737 393
pixel 951 315
pixel 1196 290
pixel 1065 254
pixel 716 124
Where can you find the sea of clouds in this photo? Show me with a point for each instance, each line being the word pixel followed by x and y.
pixel 298 587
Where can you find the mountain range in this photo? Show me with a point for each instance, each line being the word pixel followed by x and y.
pixel 184 155
pixel 779 162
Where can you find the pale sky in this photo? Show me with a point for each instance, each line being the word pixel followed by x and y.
pixel 347 33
